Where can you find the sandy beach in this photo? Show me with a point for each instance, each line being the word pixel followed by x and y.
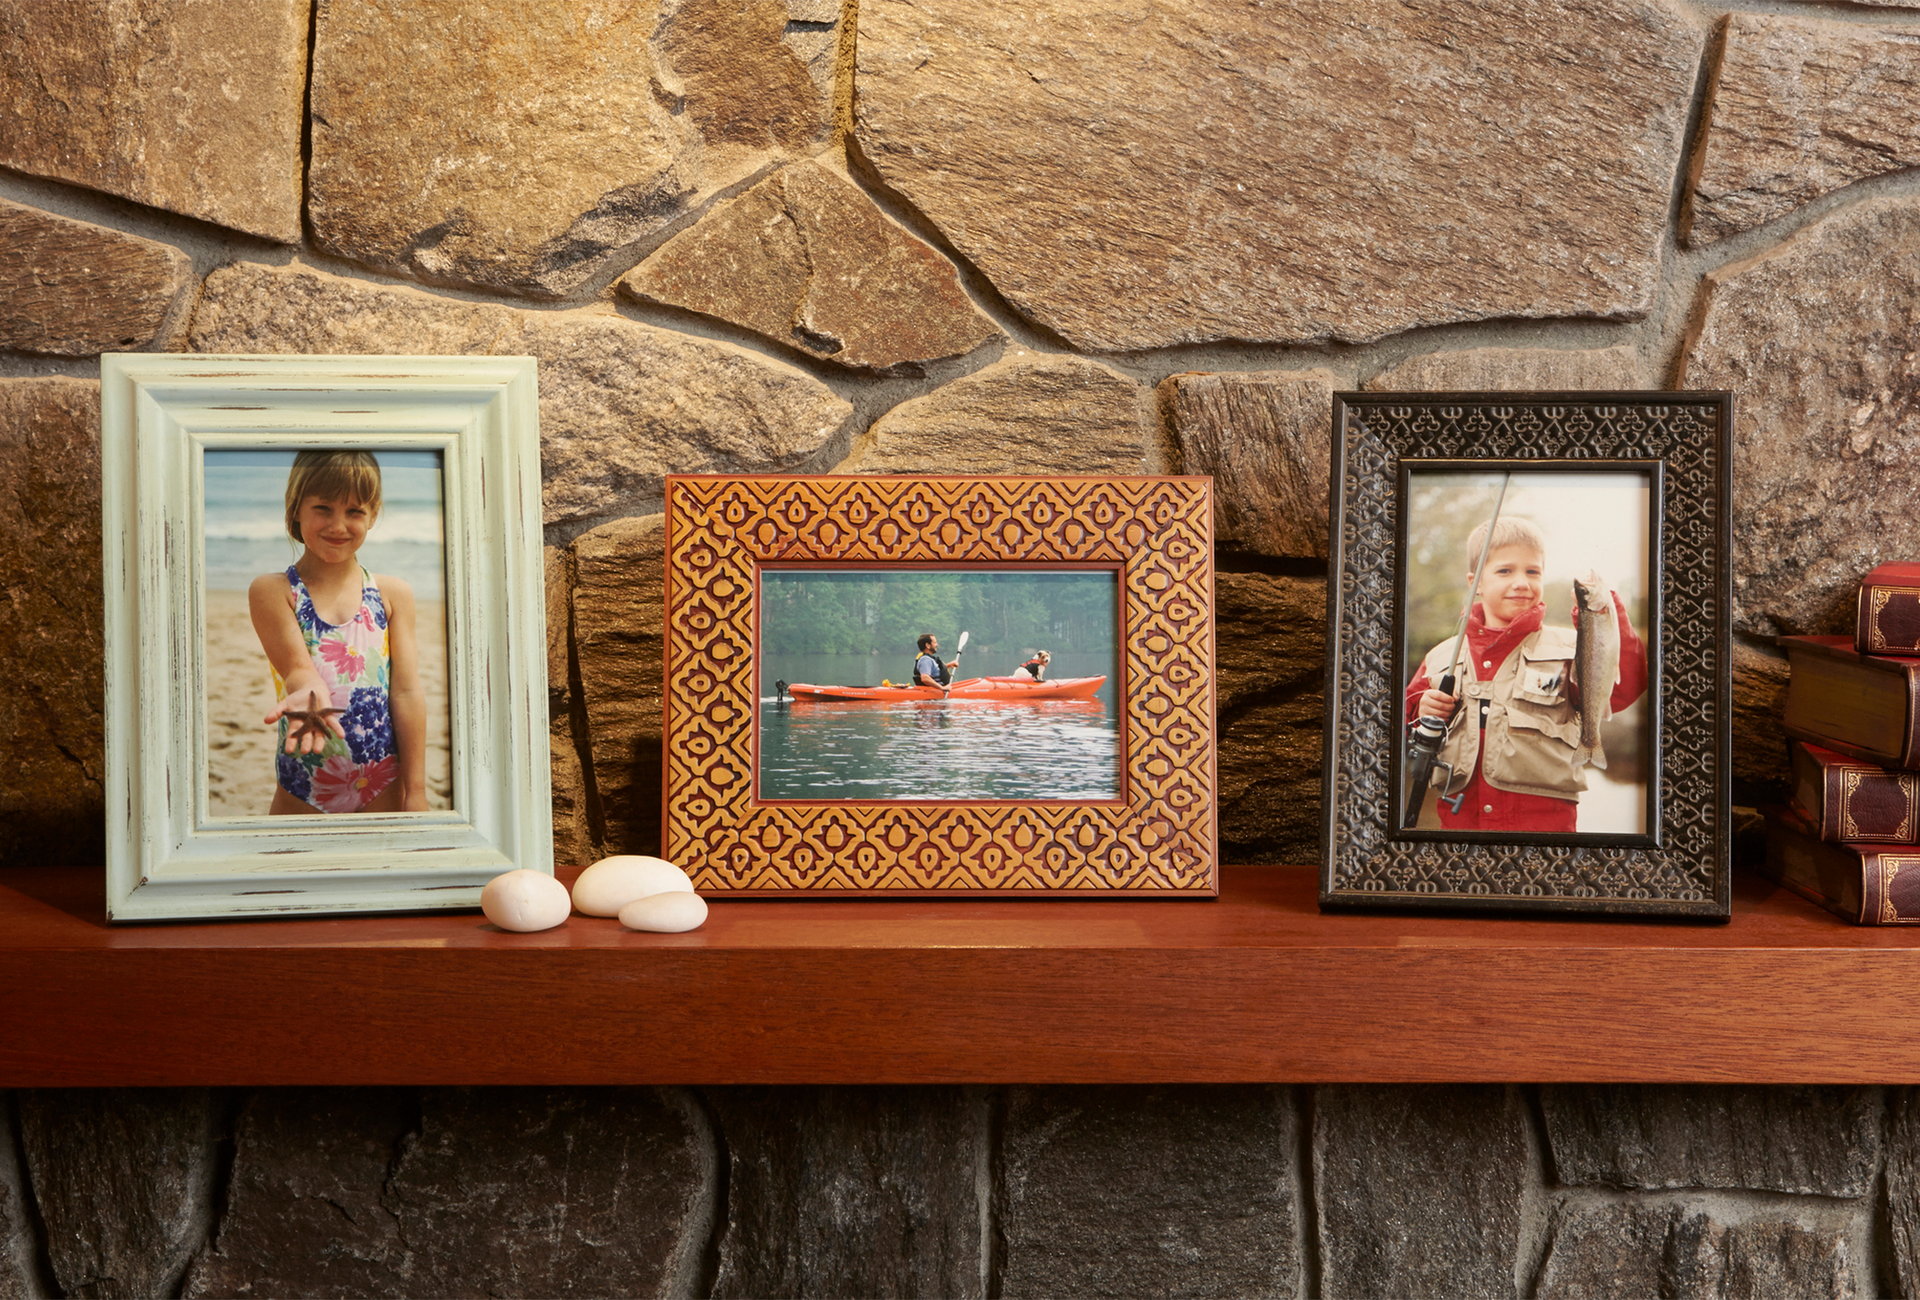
pixel 240 691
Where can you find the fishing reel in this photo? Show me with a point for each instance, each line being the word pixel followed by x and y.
pixel 1423 757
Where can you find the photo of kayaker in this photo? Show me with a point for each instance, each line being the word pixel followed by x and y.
pixel 927 669
pixel 1526 670
pixel 862 700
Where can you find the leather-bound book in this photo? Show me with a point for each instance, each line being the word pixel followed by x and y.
pixel 1851 802
pixel 1863 706
pixel 1888 622
pixel 1869 884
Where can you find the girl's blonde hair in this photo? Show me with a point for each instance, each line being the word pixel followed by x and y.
pixel 1508 530
pixel 332 476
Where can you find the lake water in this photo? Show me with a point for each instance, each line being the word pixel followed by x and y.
pixel 935 749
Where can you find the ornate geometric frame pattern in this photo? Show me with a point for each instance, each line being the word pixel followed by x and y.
pixel 1158 837
pixel 1686 870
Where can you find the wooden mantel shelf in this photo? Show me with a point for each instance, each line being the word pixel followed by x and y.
pixel 1257 985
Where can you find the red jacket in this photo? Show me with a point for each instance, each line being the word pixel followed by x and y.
pixel 1483 808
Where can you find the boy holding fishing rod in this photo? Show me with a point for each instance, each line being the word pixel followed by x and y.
pixel 1515 758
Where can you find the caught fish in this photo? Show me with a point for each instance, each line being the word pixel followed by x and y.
pixel 1596 663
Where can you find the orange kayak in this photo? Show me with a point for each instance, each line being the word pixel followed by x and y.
pixel 973 688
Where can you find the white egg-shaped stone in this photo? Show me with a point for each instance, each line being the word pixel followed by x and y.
pixel 669 913
pixel 611 883
pixel 525 901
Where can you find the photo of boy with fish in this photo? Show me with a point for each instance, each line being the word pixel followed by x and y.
pixel 1505 715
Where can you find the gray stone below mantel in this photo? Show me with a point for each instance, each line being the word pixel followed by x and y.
pixel 1419 1189
pixel 496 1191
pixel 852 1191
pixel 123 1179
pixel 1820 1141
pixel 1168 1191
pixel 19 1265
pixel 1689 1247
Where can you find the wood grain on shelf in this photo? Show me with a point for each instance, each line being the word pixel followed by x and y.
pixel 1258 985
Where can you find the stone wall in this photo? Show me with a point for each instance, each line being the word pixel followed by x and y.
pixel 754 237
pixel 940 234
pixel 1560 1191
pixel 759 238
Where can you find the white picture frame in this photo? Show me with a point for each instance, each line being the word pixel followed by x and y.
pixel 167 858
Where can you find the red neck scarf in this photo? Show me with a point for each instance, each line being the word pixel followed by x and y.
pixel 1494 644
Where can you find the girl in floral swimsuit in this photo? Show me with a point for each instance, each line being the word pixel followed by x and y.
pixel 343 639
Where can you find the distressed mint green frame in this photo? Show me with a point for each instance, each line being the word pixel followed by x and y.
pixel 167 859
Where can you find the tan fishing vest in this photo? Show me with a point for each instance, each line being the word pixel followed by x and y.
pixel 1532 729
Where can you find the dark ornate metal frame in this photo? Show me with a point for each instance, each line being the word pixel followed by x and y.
pixel 1682 866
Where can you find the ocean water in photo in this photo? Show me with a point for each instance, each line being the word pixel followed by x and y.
pixel 246 527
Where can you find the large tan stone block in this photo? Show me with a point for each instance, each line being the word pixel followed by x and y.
pixel 1270 639
pixel 1800 109
pixel 1532 369
pixel 572 821
pixel 619 630
pixel 621 404
pixel 516 146
pixel 1153 172
pixel 1820 340
pixel 1761 772
pixel 74 289
pixel 180 104
pixel 1265 437
pixel 53 784
pixel 1028 413
pixel 807 260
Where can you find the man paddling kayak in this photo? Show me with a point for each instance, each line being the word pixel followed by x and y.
pixel 927 669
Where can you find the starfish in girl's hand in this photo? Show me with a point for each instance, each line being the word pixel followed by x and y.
pixel 313 722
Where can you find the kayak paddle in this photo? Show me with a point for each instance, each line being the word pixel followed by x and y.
pixel 959 649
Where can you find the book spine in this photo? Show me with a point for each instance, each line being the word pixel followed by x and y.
pixel 1869 805
pixel 1912 756
pixel 1887 621
pixel 1839 746
pixel 1889 888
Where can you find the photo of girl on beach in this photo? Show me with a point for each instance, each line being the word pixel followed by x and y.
pixel 325 633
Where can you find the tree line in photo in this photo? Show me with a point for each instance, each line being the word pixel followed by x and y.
pixel 810 612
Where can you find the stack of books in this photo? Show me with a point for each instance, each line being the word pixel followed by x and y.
pixel 1850 840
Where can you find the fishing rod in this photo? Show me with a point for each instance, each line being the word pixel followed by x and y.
pixel 1423 747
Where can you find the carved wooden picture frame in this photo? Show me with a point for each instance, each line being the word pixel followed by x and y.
pixel 1379 848
pixel 1153 834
